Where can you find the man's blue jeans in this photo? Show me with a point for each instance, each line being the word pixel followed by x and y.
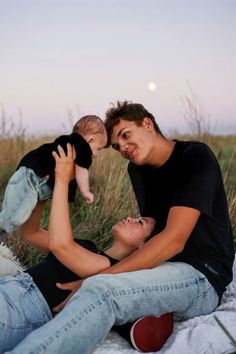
pixel 105 300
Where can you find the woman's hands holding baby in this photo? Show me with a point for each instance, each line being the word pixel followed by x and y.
pixel 65 167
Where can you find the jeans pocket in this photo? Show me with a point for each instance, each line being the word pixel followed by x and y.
pixel 31 308
pixel 205 301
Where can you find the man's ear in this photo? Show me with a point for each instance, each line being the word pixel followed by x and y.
pixel 147 124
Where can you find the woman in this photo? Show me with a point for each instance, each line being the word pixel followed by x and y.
pixel 27 298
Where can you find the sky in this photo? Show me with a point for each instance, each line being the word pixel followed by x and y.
pixel 68 58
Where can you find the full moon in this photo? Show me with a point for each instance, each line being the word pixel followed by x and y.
pixel 152 86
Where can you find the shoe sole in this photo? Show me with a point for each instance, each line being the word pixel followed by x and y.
pixel 149 334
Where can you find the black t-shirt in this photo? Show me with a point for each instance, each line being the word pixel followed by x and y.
pixel 51 271
pixel 191 177
pixel 42 162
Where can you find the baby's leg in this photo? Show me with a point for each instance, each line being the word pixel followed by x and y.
pixel 31 232
pixel 20 198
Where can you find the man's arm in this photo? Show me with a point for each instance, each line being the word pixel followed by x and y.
pixel 163 246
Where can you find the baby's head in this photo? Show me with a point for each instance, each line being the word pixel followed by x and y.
pixel 93 130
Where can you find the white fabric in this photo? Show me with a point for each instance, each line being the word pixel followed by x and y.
pixel 199 335
pixel 8 263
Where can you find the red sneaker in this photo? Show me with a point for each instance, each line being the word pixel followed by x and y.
pixel 149 334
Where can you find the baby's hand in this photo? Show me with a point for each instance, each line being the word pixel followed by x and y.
pixel 88 197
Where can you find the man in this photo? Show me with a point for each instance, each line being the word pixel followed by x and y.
pixel 184 268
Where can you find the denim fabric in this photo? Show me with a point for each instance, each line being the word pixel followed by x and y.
pixel 23 191
pixel 22 309
pixel 105 300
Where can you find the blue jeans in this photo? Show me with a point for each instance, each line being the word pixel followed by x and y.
pixel 106 300
pixel 23 191
pixel 22 309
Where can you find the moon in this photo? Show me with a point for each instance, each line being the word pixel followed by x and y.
pixel 152 86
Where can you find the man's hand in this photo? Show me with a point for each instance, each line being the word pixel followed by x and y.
pixel 73 286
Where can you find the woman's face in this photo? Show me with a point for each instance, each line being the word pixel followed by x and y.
pixel 133 231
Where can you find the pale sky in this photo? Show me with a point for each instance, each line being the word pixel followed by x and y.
pixel 60 55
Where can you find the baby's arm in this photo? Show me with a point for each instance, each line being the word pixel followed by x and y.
pixel 82 179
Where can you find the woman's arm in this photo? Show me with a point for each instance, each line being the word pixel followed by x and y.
pixel 32 233
pixel 61 243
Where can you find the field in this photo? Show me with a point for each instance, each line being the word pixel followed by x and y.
pixel 110 184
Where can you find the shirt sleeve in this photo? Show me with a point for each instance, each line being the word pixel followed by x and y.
pixel 198 185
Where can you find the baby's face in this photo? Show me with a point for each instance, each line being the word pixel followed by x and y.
pixel 97 143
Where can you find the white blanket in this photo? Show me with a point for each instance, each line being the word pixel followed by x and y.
pixel 200 335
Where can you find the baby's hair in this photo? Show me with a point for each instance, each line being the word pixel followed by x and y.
pixel 89 124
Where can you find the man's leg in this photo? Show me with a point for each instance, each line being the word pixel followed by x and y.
pixel 105 300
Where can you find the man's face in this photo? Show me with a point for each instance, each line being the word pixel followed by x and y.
pixel 135 143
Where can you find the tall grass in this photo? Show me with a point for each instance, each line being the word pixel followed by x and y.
pixel 114 198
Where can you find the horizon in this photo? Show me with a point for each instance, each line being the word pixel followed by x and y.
pixel 71 58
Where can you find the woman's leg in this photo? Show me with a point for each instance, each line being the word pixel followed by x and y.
pixel 22 309
pixel 106 300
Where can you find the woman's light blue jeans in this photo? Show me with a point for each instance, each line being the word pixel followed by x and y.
pixel 22 309
pixel 23 191
pixel 105 300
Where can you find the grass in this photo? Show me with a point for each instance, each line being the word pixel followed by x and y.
pixel 114 198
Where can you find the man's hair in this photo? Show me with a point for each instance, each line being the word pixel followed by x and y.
pixel 89 124
pixel 127 110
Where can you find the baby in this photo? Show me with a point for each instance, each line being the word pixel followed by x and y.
pixel 34 178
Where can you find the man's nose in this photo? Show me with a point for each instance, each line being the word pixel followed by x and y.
pixel 123 147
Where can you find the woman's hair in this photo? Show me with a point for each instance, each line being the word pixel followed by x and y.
pixel 127 110
pixel 89 124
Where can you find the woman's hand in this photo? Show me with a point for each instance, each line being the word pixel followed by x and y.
pixel 73 286
pixel 65 168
